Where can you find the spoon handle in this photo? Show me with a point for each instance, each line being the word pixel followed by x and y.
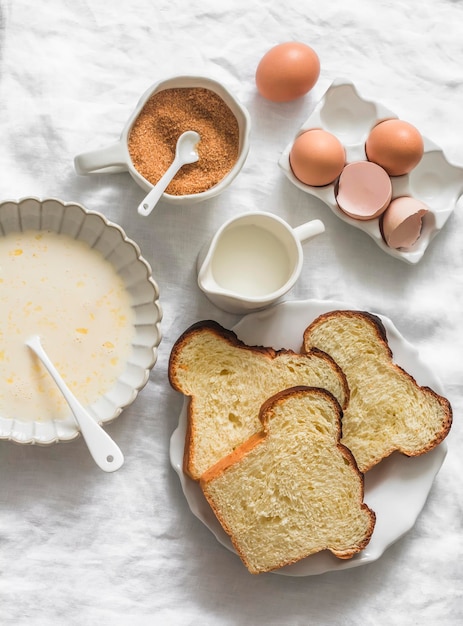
pixel 105 452
pixel 150 201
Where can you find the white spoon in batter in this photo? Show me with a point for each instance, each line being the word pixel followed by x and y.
pixel 105 452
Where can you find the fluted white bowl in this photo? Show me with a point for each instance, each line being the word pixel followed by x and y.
pixel 110 240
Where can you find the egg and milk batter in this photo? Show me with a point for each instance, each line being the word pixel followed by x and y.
pixel 61 289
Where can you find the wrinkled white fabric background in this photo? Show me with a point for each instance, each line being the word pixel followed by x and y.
pixel 78 546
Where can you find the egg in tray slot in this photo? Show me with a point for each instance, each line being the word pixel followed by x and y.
pixel 375 171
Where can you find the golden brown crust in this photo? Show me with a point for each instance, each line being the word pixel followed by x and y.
pixel 374 320
pixel 381 336
pixel 336 367
pixel 223 333
pixel 446 424
pixel 241 451
pixel 259 438
pixel 219 331
pixel 189 436
pixel 266 409
pixel 230 337
pixel 439 436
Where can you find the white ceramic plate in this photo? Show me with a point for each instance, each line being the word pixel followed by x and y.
pixel 110 240
pixel 396 489
pixel 434 180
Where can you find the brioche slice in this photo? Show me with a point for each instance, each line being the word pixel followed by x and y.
pixel 228 381
pixel 387 409
pixel 292 489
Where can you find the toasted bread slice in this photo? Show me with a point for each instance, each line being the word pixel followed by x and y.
pixel 227 382
pixel 292 489
pixel 387 409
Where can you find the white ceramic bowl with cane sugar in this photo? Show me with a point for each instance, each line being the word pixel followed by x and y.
pixel 149 137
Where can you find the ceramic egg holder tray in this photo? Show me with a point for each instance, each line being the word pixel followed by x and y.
pixel 434 181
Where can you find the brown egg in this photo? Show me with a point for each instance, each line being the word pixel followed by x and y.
pixel 402 222
pixel 287 71
pixel 395 145
pixel 317 157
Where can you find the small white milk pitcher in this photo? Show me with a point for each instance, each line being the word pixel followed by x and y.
pixel 253 260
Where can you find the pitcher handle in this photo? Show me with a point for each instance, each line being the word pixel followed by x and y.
pixel 309 230
pixel 109 160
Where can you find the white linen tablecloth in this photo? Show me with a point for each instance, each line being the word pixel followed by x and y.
pixel 78 546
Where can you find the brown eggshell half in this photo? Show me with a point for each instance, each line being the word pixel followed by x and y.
pixel 364 190
pixel 402 222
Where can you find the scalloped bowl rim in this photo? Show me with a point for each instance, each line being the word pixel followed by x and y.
pixel 52 431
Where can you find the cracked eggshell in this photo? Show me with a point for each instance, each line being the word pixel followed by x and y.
pixel 364 190
pixel 435 181
pixel 402 222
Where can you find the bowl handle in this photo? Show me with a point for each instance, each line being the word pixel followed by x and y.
pixel 109 160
